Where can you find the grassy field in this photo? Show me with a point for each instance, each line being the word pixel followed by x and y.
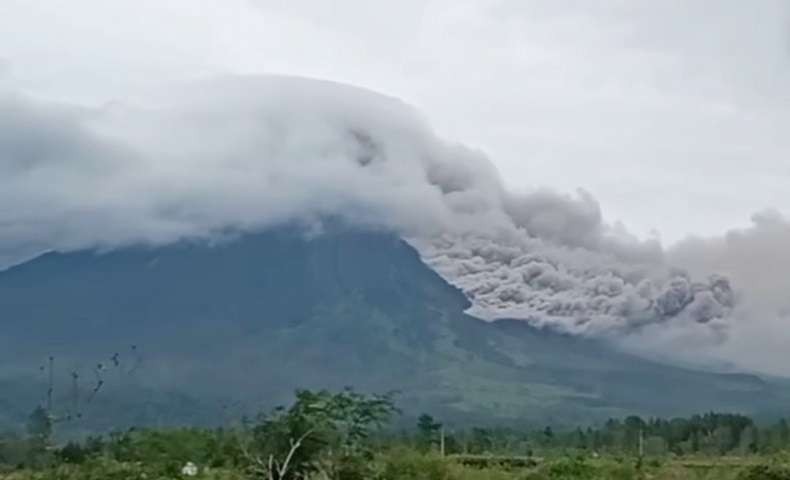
pixel 327 435
pixel 407 465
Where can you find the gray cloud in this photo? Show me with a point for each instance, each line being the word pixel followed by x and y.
pixel 577 290
pixel 656 95
pixel 237 153
pixel 54 177
pixel 244 153
pixel 757 258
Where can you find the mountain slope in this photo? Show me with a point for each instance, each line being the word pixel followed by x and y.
pixel 245 322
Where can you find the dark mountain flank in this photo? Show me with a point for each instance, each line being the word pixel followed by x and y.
pixel 194 332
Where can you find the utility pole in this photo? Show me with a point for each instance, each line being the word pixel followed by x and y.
pixel 441 441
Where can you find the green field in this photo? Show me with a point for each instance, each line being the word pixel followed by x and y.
pixel 408 464
pixel 347 435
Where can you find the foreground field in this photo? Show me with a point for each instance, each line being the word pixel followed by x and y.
pixel 408 465
pixel 342 436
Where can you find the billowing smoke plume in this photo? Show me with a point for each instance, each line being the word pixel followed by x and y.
pixel 578 291
pixel 758 259
pixel 242 154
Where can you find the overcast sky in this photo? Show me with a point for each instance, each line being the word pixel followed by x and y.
pixel 674 113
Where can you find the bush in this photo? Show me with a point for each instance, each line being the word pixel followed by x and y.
pixel 619 472
pixel 402 464
pixel 571 469
pixel 72 453
pixel 765 472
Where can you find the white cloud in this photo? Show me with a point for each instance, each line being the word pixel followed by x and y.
pixel 650 106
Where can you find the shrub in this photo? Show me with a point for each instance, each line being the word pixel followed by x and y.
pixel 571 469
pixel 765 472
pixel 402 464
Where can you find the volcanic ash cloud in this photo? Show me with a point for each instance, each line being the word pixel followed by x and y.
pixel 240 154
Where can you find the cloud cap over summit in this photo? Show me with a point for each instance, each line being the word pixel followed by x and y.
pixel 239 154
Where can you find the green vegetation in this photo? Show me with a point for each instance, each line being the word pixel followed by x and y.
pixel 348 435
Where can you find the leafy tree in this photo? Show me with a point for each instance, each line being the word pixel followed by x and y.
pixel 783 433
pixel 39 425
pixel 73 452
pixel 13 449
pixel 428 431
pixel 694 441
pixel 580 439
pixel 321 431
pixel 482 440
pixel 548 436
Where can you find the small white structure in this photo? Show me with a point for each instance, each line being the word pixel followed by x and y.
pixel 189 470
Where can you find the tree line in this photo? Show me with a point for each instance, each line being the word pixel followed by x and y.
pixel 344 434
pixel 708 434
